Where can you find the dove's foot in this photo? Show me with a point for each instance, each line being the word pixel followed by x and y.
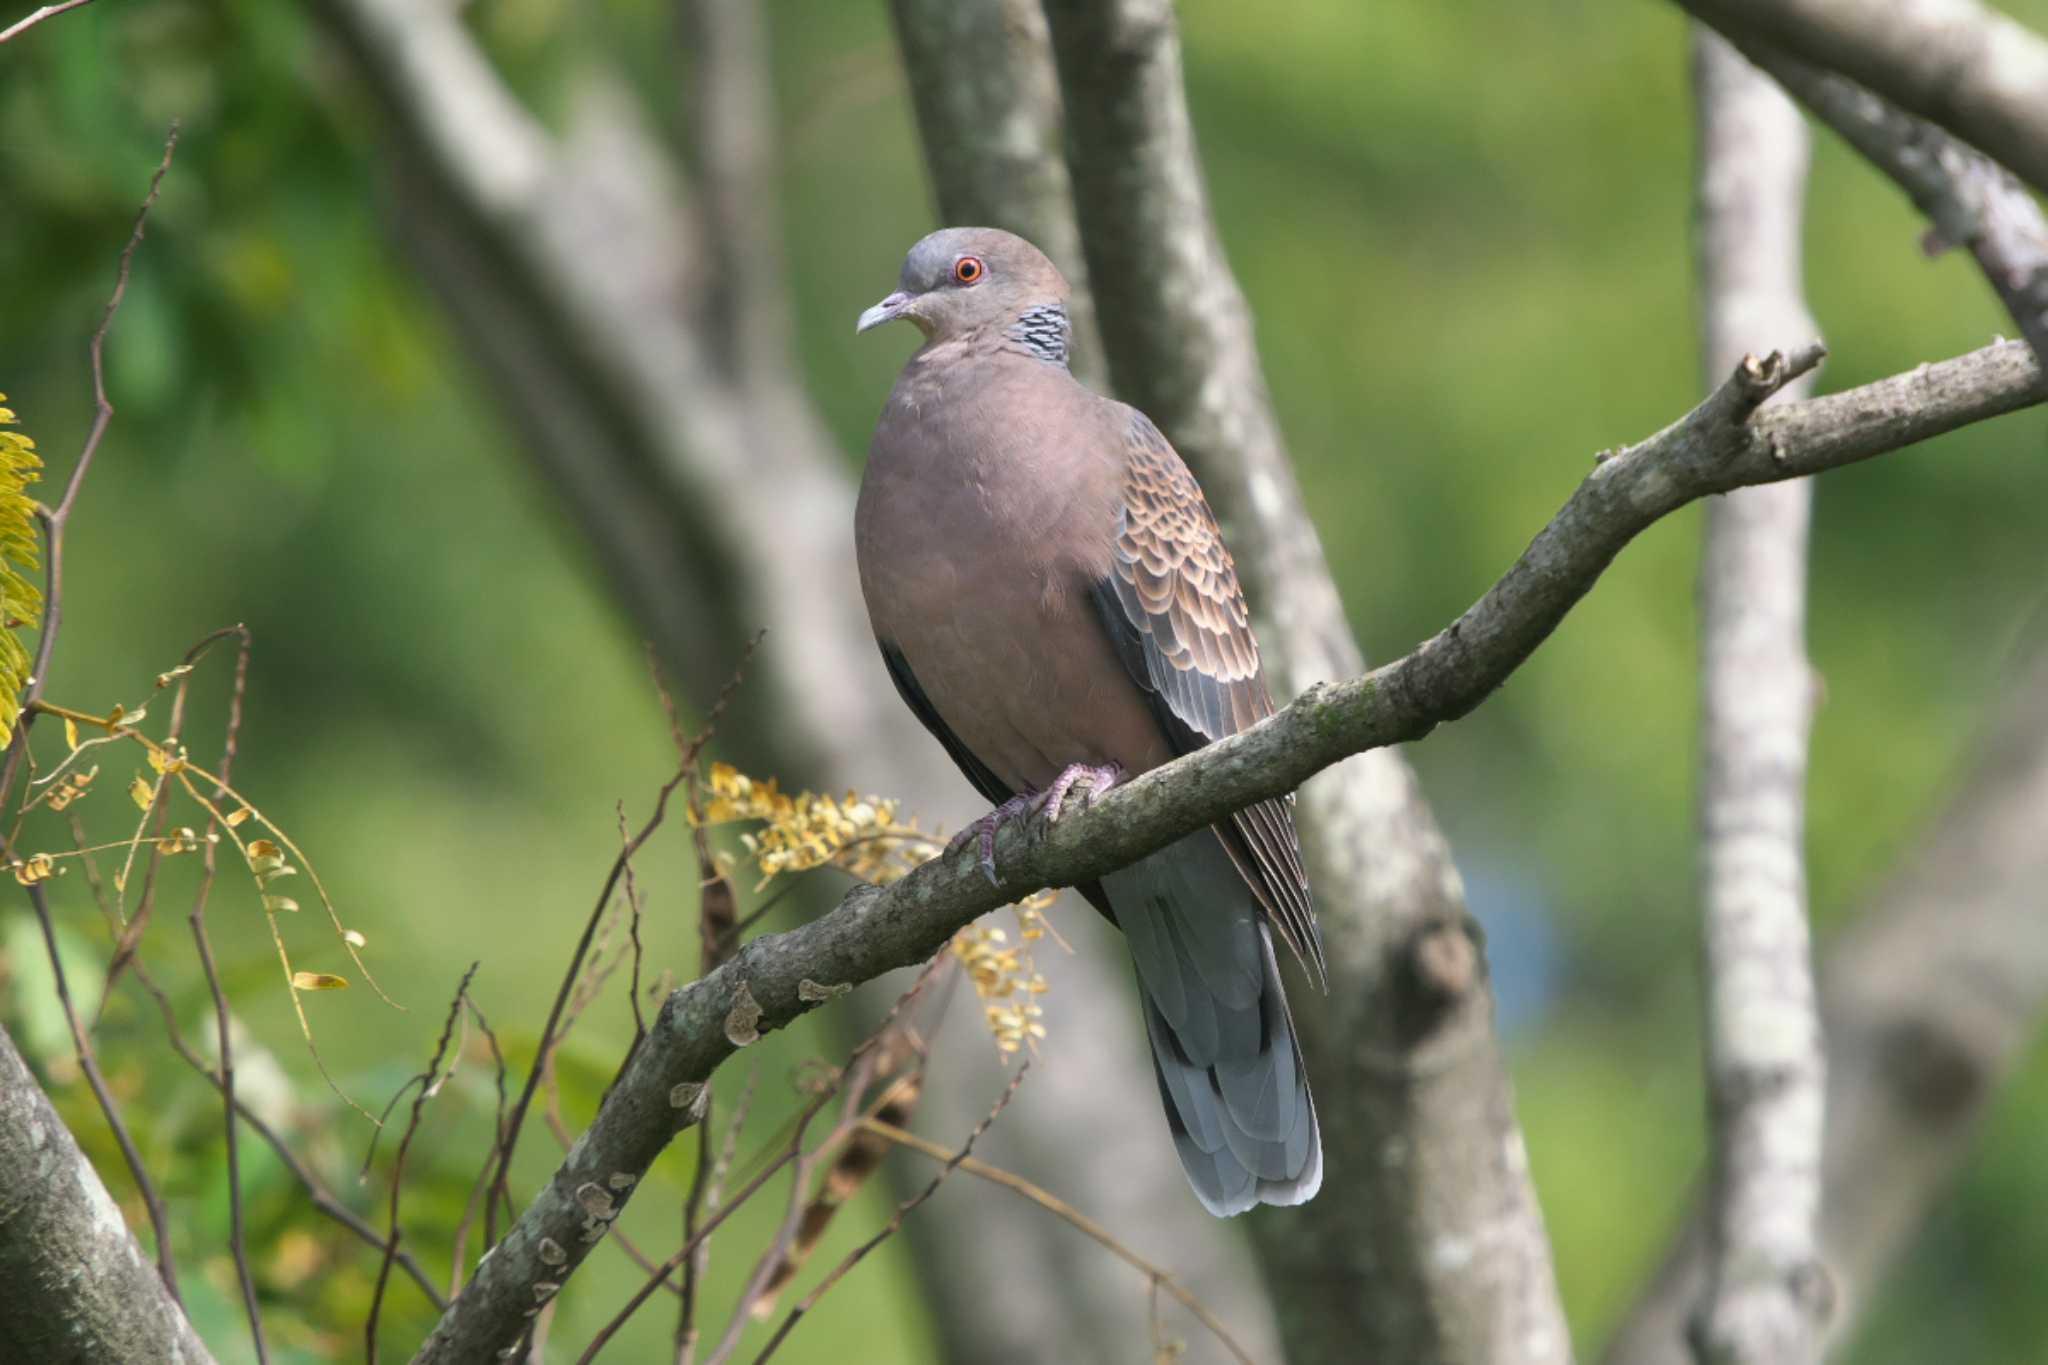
pixel 982 833
pixel 1093 781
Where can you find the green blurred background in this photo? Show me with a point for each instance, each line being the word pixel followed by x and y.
pixel 1465 233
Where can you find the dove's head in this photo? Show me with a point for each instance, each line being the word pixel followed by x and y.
pixel 963 280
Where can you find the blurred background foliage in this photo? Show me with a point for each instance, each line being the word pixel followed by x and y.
pixel 1465 232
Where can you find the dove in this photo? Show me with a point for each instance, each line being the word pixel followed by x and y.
pixel 1053 599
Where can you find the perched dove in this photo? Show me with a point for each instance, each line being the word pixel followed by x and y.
pixel 1054 601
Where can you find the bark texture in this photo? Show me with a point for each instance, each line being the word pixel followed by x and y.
pixel 1766 1301
pixel 75 1289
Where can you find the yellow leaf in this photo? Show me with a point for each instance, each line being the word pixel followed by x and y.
pixel 261 848
pixel 71 732
pixel 274 904
pixel 141 793
pixel 236 817
pixel 318 981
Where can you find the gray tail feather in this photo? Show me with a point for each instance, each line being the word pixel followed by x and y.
pixel 1229 1069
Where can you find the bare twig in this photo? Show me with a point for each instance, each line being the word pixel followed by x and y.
pixel 459 1255
pixel 21 26
pixel 548 1034
pixel 852 1077
pixel 859 1158
pixel 1724 443
pixel 237 1241
pixel 87 1063
pixel 54 519
pixel 130 934
pixel 633 929
pixel 322 1198
pixel 851 1084
pixel 790 1153
pixel 1157 1278
pixel 1766 1304
pixel 895 1223
pixel 707 1190
pixel 428 1082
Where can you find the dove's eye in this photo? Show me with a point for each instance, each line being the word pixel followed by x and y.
pixel 968 270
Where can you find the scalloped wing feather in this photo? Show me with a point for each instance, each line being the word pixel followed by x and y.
pixel 1174 608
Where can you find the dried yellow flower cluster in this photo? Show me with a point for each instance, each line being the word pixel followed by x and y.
pixel 1006 977
pixel 858 834
pixel 863 836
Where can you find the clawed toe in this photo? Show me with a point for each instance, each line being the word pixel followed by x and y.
pixel 1093 779
pixel 982 834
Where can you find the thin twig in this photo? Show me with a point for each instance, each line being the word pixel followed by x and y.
pixel 1067 1213
pixel 569 977
pixel 633 929
pixel 711 1224
pixel 237 1240
pixel 131 931
pixel 858 1067
pixel 21 26
pixel 322 1198
pixel 555 1011
pixel 428 1085
pixel 477 1186
pixel 851 1083
pixel 158 1223
pixel 54 519
pixel 707 1189
pixel 895 1223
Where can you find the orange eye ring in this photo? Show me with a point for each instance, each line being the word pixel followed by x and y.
pixel 969 270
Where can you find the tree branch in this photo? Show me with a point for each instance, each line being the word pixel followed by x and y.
pixel 988 117
pixel 1766 1300
pixel 75 1289
pixel 740 270
pixel 1977 73
pixel 1929 1001
pixel 1969 199
pixel 23 25
pixel 1724 443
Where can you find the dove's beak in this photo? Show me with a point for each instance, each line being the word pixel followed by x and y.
pixel 888 310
